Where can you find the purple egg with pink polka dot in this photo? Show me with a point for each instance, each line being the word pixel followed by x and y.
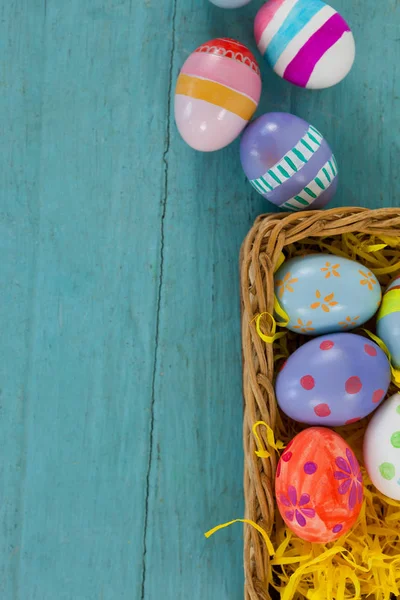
pixel 333 380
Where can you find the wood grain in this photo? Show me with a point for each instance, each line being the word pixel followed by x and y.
pixel 121 399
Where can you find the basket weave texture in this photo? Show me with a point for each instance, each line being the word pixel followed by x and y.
pixel 259 257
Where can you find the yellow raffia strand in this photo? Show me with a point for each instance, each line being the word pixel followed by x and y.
pixel 390 241
pixel 387 270
pixel 278 310
pixel 281 313
pixel 269 339
pixel 260 530
pixel 262 452
pixel 375 247
pixel 365 561
pixel 280 262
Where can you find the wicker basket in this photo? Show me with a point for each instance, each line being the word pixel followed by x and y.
pixel 259 257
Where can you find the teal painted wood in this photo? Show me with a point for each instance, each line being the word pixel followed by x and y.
pixel 81 245
pixel 120 338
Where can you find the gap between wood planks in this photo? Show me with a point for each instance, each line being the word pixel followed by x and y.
pixel 158 307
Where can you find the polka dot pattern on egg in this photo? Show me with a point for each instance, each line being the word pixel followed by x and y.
pixel 333 380
pixel 387 470
pixel 370 350
pixel 353 385
pixel 315 503
pixel 326 345
pixel 395 439
pixel 310 468
pixel 378 396
pixel 322 410
pixel 307 382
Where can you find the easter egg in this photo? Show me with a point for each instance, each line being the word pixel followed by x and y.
pixel 217 93
pixel 333 380
pixel 289 162
pixel 382 448
pixel 318 485
pixel 230 3
pixel 306 42
pixel 388 324
pixel 322 293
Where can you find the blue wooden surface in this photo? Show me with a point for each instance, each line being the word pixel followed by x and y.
pixel 120 406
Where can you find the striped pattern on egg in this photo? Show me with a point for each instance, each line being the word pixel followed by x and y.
pixel 289 162
pixel 388 323
pixel 217 93
pixel 306 42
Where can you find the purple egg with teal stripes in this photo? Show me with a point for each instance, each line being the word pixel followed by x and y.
pixel 289 162
pixel 306 42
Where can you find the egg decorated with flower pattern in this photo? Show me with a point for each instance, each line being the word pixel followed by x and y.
pixel 318 485
pixel 382 448
pixel 333 380
pixel 322 293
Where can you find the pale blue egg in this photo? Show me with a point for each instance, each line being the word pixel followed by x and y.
pixel 323 293
pixel 388 324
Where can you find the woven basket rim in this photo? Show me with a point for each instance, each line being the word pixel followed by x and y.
pixel 259 255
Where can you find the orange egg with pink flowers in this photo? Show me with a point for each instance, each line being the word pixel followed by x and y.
pixel 318 485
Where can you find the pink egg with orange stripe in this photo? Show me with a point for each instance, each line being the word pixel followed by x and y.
pixel 306 42
pixel 217 93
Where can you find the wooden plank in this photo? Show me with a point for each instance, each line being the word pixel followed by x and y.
pixel 196 473
pixel 19 224
pixel 84 167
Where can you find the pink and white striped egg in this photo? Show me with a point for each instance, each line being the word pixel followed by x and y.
pixel 217 93
pixel 306 42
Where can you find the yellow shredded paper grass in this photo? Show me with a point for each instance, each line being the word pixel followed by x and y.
pixel 366 561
